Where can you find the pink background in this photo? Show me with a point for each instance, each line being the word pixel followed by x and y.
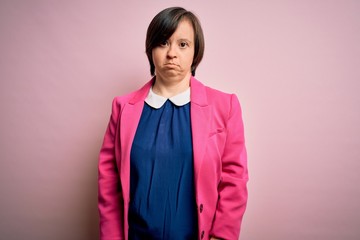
pixel 293 64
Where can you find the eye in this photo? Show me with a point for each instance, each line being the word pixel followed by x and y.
pixel 184 44
pixel 164 43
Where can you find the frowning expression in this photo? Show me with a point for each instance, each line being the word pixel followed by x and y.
pixel 173 58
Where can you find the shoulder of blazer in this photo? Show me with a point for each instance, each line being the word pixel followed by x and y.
pixel 220 101
pixel 211 94
pixel 133 97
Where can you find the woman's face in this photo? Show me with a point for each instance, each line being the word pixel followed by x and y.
pixel 173 58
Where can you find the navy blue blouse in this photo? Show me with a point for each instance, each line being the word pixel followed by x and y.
pixel 162 194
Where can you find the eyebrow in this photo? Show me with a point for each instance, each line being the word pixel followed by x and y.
pixel 184 39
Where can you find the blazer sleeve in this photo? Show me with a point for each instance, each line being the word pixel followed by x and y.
pixel 232 188
pixel 110 200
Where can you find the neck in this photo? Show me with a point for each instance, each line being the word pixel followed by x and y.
pixel 169 89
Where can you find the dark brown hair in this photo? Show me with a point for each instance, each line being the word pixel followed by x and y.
pixel 164 24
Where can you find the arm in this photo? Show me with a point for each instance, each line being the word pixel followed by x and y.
pixel 232 188
pixel 109 190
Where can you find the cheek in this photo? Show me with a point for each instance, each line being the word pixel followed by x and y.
pixel 155 57
pixel 191 55
pixel 190 59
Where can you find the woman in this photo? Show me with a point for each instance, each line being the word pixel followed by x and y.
pixel 173 161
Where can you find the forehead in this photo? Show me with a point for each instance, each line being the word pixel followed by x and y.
pixel 184 30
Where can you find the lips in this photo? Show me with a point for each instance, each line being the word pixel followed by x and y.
pixel 171 65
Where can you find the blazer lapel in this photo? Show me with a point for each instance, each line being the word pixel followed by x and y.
pixel 200 123
pixel 129 121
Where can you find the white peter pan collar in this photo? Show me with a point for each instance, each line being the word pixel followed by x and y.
pixel 156 101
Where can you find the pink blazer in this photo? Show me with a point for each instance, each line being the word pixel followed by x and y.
pixel 220 164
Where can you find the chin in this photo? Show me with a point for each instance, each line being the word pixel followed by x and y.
pixel 171 73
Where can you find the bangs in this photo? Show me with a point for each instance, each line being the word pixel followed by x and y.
pixel 162 28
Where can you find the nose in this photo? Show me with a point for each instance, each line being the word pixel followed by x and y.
pixel 171 53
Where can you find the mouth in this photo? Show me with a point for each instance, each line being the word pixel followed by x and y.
pixel 171 64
